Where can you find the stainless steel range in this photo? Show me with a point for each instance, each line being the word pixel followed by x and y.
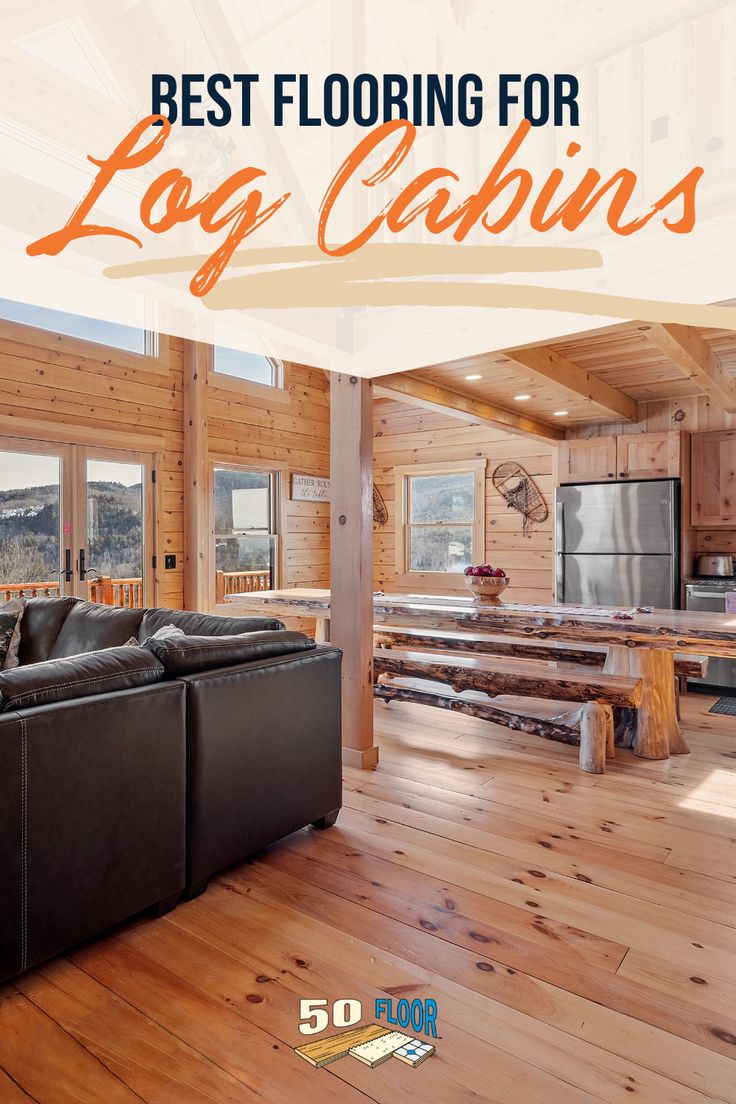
pixel 709 594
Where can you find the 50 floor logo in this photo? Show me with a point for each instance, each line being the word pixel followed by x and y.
pixel 391 1036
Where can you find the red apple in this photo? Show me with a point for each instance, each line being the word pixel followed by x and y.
pixel 468 571
pixel 498 573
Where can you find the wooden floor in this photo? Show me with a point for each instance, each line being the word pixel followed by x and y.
pixel 577 932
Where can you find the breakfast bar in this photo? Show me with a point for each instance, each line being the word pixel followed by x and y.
pixel 639 644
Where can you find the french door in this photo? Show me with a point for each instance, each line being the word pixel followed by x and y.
pixel 76 520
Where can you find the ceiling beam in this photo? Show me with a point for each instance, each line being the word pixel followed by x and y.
pixel 684 346
pixel 549 366
pixel 406 387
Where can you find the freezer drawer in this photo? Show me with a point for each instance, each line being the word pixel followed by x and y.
pixel 618 580
pixel 618 518
pixel 721 672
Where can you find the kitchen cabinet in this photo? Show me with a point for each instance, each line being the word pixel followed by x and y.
pixel 588 460
pixel 648 456
pixel 629 456
pixel 713 496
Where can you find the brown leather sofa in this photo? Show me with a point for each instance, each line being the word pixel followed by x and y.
pixel 132 774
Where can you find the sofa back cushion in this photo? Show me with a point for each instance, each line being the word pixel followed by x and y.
pixel 202 624
pixel 42 622
pixel 186 655
pixel 89 627
pixel 79 676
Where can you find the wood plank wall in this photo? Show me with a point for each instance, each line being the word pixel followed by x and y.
pixel 293 436
pixel 59 387
pixel 407 435
pixel 695 413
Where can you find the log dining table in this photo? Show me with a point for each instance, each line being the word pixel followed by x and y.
pixel 643 646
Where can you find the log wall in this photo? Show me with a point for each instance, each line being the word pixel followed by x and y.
pixel 407 435
pixel 50 383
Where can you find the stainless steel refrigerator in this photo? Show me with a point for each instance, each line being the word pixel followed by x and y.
pixel 617 544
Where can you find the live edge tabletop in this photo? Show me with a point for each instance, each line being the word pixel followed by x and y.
pixel 672 630
pixel 643 645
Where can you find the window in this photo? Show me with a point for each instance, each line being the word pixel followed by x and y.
pixel 252 367
pixel 131 339
pixel 442 512
pixel 244 504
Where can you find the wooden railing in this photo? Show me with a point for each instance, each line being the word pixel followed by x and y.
pixel 28 590
pixel 126 593
pixel 240 582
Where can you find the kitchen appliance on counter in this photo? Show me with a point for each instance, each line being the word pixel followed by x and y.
pixel 617 544
pixel 714 564
pixel 709 595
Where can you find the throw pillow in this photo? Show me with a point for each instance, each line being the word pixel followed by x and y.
pixel 11 615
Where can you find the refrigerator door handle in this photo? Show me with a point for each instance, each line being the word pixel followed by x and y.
pixel 559 549
pixel 560 579
pixel 560 525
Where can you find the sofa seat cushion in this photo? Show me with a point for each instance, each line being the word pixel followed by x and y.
pixel 89 628
pixel 186 655
pixel 202 624
pixel 80 676
pixel 42 622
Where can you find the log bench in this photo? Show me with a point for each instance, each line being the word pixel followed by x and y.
pixel 581 655
pixel 590 726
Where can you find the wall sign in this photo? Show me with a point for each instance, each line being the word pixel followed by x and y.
pixel 310 488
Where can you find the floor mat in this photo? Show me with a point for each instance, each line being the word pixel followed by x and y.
pixel 724 705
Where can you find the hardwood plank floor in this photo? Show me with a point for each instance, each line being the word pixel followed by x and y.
pixel 577 932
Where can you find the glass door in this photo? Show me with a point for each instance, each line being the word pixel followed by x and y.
pixel 36 557
pixel 76 520
pixel 114 521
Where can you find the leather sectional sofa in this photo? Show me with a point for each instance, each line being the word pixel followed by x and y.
pixel 132 774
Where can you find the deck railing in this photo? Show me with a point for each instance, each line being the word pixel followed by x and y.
pixel 128 593
pixel 240 582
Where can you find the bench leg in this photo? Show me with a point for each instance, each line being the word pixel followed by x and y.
pixel 596 726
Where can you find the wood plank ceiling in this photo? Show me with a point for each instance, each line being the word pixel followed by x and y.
pixel 597 377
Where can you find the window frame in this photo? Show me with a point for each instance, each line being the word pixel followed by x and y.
pixel 404 574
pixel 265 392
pixel 156 359
pixel 278 473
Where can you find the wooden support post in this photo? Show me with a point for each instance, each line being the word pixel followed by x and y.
pixel 351 559
pixel 596 723
pixel 197 554
pixel 657 734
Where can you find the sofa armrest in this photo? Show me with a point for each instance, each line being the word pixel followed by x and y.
pixel 265 755
pixel 92 817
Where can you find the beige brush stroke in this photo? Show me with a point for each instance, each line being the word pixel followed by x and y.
pixel 366 279
pixel 378 261
pixel 302 288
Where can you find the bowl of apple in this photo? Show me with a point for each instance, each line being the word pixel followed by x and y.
pixel 486 582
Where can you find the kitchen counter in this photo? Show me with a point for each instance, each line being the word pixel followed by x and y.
pixel 715 582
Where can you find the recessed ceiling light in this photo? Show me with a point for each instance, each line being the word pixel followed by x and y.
pixel 560 413
pixel 521 398
pixel 474 377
